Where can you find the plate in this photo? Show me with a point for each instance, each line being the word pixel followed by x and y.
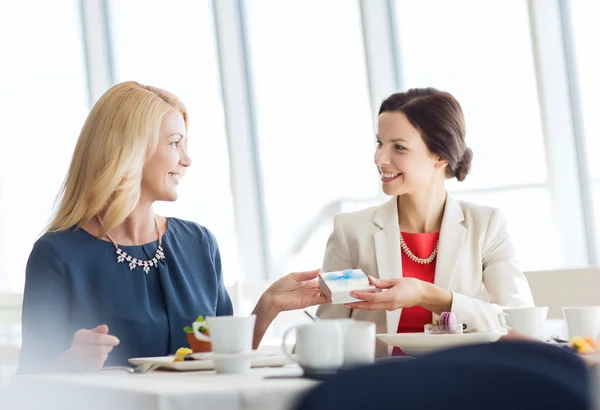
pixel 212 355
pixel 416 344
pixel 166 362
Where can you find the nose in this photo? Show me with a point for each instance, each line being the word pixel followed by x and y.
pixel 381 157
pixel 184 159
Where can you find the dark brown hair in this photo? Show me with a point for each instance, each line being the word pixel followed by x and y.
pixel 438 117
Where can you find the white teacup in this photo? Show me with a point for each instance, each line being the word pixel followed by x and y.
pixel 359 343
pixel 583 321
pixel 319 346
pixel 228 334
pixel 528 320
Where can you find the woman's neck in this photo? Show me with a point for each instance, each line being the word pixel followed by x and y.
pixel 138 228
pixel 421 212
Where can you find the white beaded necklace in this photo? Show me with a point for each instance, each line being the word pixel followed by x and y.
pixel 122 256
pixel 415 258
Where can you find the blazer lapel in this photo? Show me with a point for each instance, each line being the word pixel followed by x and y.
pixel 452 238
pixel 387 252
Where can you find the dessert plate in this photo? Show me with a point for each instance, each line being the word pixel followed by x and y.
pixel 416 344
pixel 166 362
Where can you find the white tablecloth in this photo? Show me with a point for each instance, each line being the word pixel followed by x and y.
pixel 170 390
pixel 159 390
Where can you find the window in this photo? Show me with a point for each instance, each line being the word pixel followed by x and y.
pixel 44 86
pixel 313 121
pixel 585 16
pixel 530 207
pixel 465 48
pixel 173 47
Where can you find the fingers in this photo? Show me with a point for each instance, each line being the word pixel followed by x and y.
pixel 315 295
pixel 370 301
pixel 320 300
pixel 369 296
pixel 85 336
pixel 311 300
pixel 304 276
pixel 102 329
pixel 312 286
pixel 381 283
pixel 369 306
pixel 88 350
pixel 91 347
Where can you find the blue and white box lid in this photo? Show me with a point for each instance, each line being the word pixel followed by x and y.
pixel 338 285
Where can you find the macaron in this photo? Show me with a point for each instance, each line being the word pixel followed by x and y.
pixel 447 321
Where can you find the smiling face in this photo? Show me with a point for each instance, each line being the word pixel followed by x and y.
pixel 404 162
pixel 169 162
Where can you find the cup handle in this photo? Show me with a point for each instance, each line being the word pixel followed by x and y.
pixel 284 349
pixel 199 335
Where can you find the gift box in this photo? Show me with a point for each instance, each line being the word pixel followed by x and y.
pixel 338 285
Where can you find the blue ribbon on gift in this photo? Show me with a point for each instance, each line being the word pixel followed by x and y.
pixel 346 275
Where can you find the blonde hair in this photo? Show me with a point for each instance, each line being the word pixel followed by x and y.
pixel 119 136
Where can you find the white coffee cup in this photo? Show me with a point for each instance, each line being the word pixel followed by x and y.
pixel 319 346
pixel 359 343
pixel 231 341
pixel 530 321
pixel 583 321
pixel 228 334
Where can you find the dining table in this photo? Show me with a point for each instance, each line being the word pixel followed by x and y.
pixel 262 388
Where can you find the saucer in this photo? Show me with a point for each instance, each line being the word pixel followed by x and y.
pixel 417 344
pixel 167 362
pixel 230 363
pixel 216 356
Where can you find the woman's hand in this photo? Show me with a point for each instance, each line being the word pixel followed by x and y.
pixel 294 291
pixel 89 349
pixel 398 293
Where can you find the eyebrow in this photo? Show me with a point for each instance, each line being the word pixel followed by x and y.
pixel 180 135
pixel 394 140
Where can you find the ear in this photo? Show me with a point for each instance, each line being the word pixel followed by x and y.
pixel 440 163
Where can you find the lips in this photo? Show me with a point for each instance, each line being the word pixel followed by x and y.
pixel 389 176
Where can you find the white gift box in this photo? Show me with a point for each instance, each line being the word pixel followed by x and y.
pixel 338 285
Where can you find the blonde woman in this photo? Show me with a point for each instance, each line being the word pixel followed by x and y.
pixel 430 252
pixel 111 279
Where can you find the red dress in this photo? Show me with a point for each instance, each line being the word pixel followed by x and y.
pixel 421 245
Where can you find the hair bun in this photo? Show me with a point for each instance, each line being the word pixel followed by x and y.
pixel 464 165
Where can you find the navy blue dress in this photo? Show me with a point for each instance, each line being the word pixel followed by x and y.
pixel 73 281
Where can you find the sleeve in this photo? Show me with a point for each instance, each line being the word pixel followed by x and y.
pixel 503 280
pixel 337 257
pixel 224 305
pixel 45 330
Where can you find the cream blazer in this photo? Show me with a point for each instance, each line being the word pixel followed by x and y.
pixel 475 254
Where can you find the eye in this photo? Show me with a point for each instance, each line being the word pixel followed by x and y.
pixel 399 147
pixel 378 143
